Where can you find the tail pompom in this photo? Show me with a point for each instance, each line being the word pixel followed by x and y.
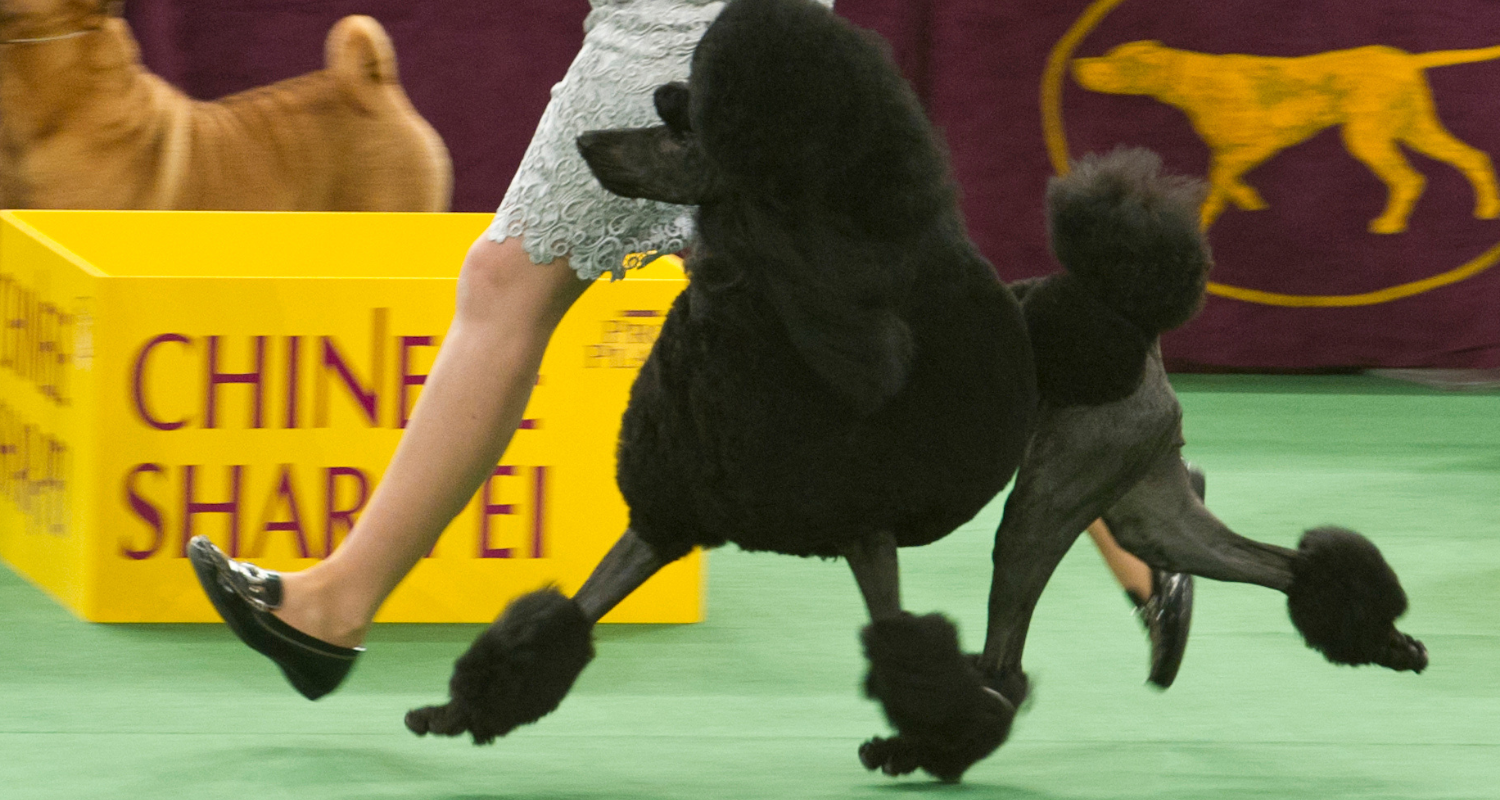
pixel 516 672
pixel 1345 599
pixel 947 719
pixel 1132 234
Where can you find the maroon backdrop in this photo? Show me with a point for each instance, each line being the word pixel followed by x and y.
pixel 480 72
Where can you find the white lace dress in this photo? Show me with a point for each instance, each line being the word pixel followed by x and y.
pixel 554 204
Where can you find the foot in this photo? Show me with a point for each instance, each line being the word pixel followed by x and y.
pixel 901 754
pixel 310 605
pixel 246 597
pixel 946 716
pixel 1167 615
pixel 515 673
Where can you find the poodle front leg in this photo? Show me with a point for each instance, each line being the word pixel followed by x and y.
pixel 1342 595
pixel 624 568
pixel 945 717
pixel 877 570
pixel 523 665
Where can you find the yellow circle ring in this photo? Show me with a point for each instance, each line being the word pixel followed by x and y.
pixel 1057 151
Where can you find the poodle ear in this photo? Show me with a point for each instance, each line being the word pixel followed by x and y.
pixel 672 105
pixel 837 298
pixel 865 354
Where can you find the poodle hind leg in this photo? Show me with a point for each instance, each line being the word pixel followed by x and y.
pixel 522 666
pixel 1054 499
pixel 1342 595
pixel 945 717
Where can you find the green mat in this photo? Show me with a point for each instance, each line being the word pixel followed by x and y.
pixel 761 701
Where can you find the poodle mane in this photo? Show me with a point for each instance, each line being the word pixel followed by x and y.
pixel 831 180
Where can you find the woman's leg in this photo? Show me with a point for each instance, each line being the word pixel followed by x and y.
pixel 467 412
pixel 1132 573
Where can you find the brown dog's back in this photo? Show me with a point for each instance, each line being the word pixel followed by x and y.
pixel 344 138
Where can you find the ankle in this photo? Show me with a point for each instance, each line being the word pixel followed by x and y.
pixel 314 607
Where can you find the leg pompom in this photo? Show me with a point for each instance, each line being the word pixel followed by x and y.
pixel 946 718
pixel 516 672
pixel 1344 600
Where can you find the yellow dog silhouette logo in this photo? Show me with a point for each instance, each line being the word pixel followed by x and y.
pixel 1249 108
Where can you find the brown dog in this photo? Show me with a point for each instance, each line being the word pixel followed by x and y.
pixel 1249 108
pixel 84 125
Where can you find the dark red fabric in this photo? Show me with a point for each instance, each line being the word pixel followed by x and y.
pixel 480 72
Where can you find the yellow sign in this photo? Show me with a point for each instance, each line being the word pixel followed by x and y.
pixel 247 376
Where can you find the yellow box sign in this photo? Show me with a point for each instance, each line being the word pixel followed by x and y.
pixel 247 376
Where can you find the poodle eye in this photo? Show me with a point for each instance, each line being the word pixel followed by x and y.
pixel 672 106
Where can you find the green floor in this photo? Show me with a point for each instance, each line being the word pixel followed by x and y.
pixel 761 702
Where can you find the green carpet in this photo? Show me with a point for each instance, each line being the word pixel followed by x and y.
pixel 761 701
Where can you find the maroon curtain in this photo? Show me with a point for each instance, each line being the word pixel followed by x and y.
pixel 1300 284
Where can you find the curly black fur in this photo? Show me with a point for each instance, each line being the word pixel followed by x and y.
pixel 1136 263
pixel 1345 599
pixel 516 672
pixel 829 173
pixel 843 361
pixel 946 718
pixel 902 755
pixel 1131 233
pixel 1086 352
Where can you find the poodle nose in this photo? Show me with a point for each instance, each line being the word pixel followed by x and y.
pixel 589 140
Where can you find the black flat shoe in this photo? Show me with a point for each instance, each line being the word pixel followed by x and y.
pixel 245 595
pixel 1167 616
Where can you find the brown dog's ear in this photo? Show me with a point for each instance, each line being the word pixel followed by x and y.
pixel 361 57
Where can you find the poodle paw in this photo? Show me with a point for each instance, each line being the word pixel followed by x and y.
pixel 447 720
pixel 946 716
pixel 515 673
pixel 1344 599
pixel 895 756
pixel 1404 654
pixel 1012 685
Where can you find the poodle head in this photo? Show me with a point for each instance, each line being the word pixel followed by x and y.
pixel 662 162
pixel 803 111
pixel 792 108
pixel 816 175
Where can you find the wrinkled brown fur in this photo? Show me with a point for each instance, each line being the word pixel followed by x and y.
pixel 84 125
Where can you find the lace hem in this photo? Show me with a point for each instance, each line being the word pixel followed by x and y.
pixel 554 205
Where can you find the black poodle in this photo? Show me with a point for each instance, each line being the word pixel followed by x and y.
pixel 844 374
pixel 1109 432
